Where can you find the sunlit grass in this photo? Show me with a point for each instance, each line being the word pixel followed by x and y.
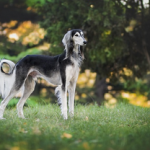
pixel 123 127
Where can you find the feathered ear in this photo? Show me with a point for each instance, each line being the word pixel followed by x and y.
pixel 68 43
pixel 67 38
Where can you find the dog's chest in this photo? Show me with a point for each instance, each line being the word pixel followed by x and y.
pixel 73 70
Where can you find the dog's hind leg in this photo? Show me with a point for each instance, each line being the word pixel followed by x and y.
pixel 5 101
pixel 29 86
pixel 14 90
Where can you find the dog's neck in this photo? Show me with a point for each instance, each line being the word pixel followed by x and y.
pixel 76 48
pixel 76 55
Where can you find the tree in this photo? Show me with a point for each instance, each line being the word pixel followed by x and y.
pixel 101 21
pixel 118 33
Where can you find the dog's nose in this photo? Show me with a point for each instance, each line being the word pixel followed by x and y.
pixel 84 42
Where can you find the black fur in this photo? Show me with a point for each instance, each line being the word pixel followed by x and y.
pixel 40 63
pixel 51 68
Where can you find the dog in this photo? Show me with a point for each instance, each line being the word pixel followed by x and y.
pixel 61 70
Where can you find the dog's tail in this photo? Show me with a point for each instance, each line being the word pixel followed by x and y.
pixel 6 79
pixel 58 95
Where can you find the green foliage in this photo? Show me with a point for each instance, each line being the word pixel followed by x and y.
pixel 100 19
pixel 34 2
pixel 118 35
pixel 138 86
pixel 115 32
pixel 3 2
pixel 30 103
pixel 32 51
pixel 93 127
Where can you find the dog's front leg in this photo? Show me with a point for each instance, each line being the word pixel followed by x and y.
pixel 64 102
pixel 66 77
pixel 71 90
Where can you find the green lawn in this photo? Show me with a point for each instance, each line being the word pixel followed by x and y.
pixel 124 127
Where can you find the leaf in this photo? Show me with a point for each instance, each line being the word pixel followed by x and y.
pixel 66 135
pixel 37 120
pixel 15 148
pixel 23 130
pixel 86 145
pixel 36 130
pixel 86 118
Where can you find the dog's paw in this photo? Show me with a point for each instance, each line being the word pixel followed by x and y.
pixel 71 114
pixel 22 117
pixel 65 117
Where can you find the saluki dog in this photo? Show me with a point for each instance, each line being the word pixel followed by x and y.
pixel 61 70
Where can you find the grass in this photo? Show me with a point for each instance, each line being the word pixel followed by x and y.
pixel 124 127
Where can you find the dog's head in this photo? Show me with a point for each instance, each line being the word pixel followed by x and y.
pixel 74 37
pixel 78 37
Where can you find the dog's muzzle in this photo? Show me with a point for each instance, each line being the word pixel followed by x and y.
pixel 84 42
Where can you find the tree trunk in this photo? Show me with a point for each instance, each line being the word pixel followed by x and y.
pixel 101 89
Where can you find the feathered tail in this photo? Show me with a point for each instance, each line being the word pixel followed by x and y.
pixel 58 95
pixel 6 79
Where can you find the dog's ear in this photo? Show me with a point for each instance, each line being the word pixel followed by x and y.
pixel 68 42
pixel 66 39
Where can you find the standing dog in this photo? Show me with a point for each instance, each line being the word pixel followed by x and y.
pixel 61 70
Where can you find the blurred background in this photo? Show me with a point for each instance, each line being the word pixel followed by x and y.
pixel 117 56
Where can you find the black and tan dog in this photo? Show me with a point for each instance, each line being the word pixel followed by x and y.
pixel 61 70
